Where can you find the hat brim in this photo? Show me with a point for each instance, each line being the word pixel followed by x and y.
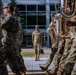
pixel 5 7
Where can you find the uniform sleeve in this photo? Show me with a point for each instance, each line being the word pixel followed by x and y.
pixel 32 37
pixel 5 23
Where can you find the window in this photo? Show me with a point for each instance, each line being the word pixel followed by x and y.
pixel 31 7
pixel 31 21
pixel 41 8
pixel 21 7
pixel 52 8
pixel 27 40
pixel 35 14
pixel 41 20
pixel 21 13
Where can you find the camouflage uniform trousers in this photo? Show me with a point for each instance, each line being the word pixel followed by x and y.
pixel 71 58
pixel 74 70
pixel 52 53
pixel 64 55
pixel 70 61
pixel 19 60
pixel 65 65
pixel 3 68
pixel 9 54
pixel 37 50
pixel 59 53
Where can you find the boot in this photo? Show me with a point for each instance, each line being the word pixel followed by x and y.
pixel 38 57
pixel 53 71
pixel 59 73
pixel 23 73
pixel 22 70
pixel 44 68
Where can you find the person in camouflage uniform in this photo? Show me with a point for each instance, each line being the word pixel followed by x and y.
pixel 71 58
pixel 3 68
pixel 52 32
pixel 60 58
pixel 68 43
pixel 17 45
pixel 37 42
pixel 9 30
pixel 58 54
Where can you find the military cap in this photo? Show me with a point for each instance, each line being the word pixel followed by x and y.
pixel 36 26
pixel 6 5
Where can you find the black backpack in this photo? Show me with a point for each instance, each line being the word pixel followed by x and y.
pixel 41 51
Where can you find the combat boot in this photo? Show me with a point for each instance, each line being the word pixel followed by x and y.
pixel 59 73
pixel 44 68
pixel 23 73
pixel 53 71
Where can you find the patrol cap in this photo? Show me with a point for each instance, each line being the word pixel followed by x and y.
pixel 36 26
pixel 6 5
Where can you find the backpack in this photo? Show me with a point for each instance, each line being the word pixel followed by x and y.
pixel 41 51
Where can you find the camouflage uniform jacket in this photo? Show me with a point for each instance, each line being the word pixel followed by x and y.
pixel 8 35
pixel 37 37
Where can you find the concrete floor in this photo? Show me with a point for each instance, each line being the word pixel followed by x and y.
pixel 32 65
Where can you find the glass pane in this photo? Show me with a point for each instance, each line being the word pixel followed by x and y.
pixel 41 8
pixel 31 21
pixel 41 20
pixel 31 7
pixel 21 13
pixel 52 8
pixel 23 26
pixel 21 7
pixel 27 40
